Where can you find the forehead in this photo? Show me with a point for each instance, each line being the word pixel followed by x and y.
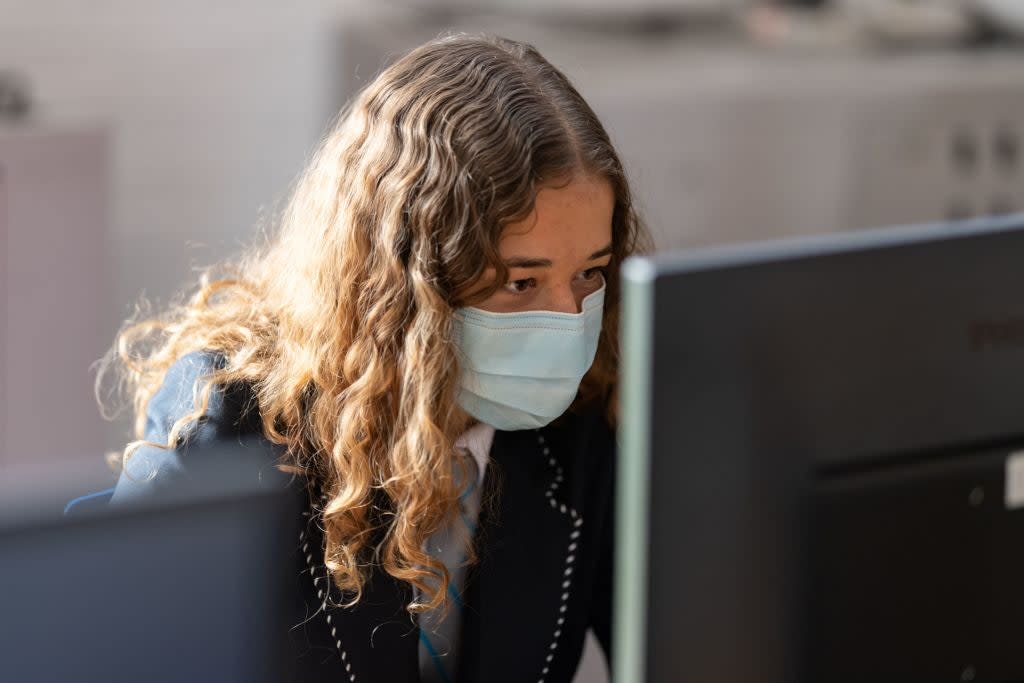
pixel 567 219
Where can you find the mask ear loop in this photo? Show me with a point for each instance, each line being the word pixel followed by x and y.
pixel 586 303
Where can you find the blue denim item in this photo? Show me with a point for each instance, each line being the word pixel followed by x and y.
pixel 521 370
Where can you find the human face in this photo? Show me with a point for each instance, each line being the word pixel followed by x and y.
pixel 559 253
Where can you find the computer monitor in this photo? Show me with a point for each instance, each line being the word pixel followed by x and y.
pixel 189 586
pixel 822 459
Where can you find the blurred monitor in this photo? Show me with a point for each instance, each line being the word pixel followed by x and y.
pixel 823 459
pixel 185 589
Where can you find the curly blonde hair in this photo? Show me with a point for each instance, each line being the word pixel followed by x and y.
pixel 341 321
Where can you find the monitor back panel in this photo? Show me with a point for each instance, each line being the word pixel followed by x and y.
pixel 779 390
pixel 185 592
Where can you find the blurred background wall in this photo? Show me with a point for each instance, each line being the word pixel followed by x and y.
pixel 140 140
pixel 137 142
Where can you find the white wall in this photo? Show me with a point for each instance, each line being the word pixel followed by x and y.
pixel 53 185
pixel 212 107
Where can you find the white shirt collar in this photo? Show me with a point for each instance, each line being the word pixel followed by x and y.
pixel 477 440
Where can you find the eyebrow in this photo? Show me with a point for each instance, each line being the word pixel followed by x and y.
pixel 527 262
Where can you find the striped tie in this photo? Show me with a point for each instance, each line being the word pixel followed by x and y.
pixel 439 638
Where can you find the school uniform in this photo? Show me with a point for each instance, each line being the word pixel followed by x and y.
pixel 544 570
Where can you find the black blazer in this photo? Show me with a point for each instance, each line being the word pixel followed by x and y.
pixel 545 550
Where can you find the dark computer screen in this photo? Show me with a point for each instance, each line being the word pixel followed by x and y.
pixel 182 590
pixel 818 445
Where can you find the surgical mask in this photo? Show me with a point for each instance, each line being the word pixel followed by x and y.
pixel 522 370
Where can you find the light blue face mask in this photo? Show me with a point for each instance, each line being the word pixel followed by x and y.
pixel 522 370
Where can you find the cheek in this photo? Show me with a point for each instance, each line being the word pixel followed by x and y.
pixel 498 304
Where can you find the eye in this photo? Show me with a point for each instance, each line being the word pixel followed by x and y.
pixel 520 286
pixel 591 274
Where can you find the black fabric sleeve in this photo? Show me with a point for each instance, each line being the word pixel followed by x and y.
pixel 604 583
pixel 210 451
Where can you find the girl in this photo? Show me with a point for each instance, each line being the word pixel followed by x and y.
pixel 430 341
